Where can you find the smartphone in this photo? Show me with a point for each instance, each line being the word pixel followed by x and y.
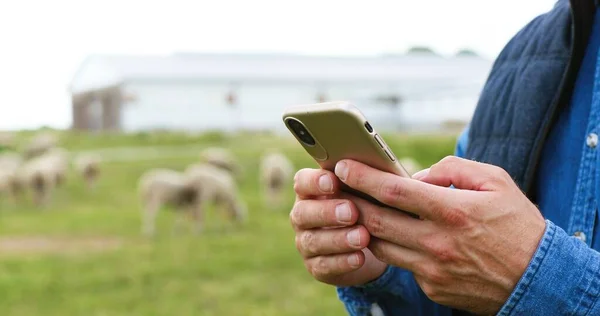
pixel 332 131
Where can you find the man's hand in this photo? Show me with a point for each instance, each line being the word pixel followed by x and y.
pixel 472 243
pixel 332 245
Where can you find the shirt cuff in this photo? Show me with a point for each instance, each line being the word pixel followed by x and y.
pixel 563 277
pixel 394 281
pixel 362 296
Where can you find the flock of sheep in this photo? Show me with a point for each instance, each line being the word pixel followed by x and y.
pixel 41 167
pixel 210 181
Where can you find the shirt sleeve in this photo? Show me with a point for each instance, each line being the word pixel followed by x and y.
pixel 563 278
pixel 394 282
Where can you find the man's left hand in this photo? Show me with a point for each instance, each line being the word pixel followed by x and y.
pixel 472 243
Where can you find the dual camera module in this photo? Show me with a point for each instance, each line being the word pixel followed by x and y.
pixel 300 131
pixel 303 134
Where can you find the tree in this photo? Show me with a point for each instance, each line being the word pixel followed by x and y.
pixel 467 53
pixel 421 50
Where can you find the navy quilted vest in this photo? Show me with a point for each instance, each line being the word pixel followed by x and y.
pixel 531 79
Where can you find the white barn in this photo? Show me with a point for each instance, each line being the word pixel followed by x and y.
pixel 228 91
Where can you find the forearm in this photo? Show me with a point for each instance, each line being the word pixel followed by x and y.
pixel 563 278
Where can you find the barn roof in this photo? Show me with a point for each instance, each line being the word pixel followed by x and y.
pixel 99 71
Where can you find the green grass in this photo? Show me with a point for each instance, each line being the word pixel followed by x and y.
pixel 253 270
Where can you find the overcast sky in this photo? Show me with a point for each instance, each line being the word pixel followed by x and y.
pixel 44 42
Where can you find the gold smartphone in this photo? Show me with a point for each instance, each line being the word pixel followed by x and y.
pixel 333 131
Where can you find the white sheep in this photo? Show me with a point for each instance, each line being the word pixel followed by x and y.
pixel 39 175
pixel 276 172
pixel 218 187
pixel 10 163
pixel 222 158
pixel 164 187
pixel 410 165
pixel 88 166
pixel 59 158
pixel 39 144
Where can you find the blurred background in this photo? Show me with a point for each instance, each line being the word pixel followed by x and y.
pixel 112 109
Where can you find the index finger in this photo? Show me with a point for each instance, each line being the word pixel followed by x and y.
pixel 315 182
pixel 423 199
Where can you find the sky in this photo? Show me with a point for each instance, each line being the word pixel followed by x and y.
pixel 44 42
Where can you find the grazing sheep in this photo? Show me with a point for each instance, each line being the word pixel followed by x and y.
pixel 39 175
pixel 410 165
pixel 39 144
pixel 165 187
pixel 218 187
pixel 59 158
pixel 9 167
pixel 88 166
pixel 222 158
pixel 5 182
pixel 276 172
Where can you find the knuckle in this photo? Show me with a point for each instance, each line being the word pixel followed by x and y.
pixel 456 216
pixel 374 224
pixel 297 175
pixel 500 175
pixel 378 251
pixel 301 181
pixel 440 250
pixel 297 182
pixel 443 164
pixel 298 242
pixel 308 243
pixel 430 290
pixel 295 215
pixel 435 276
pixel 449 160
pixel 320 267
pixel 391 191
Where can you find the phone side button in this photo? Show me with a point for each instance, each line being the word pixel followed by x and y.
pixel 379 141
pixel 389 154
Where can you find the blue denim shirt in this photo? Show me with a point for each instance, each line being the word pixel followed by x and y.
pixel 563 277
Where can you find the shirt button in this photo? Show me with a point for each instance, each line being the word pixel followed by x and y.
pixel 580 236
pixel 592 140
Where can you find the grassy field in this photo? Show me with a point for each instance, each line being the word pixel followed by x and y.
pixel 83 255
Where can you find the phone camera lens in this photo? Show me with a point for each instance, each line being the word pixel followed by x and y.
pixel 301 132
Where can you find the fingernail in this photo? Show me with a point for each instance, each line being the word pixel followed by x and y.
pixel 325 183
pixel 353 260
pixel 421 174
pixel 354 237
pixel 343 213
pixel 341 170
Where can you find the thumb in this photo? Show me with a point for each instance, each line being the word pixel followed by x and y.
pixel 462 174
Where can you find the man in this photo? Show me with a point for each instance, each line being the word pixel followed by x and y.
pixel 510 230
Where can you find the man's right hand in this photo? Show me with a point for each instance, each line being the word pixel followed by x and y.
pixel 332 245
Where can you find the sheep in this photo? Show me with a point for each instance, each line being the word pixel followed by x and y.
pixel 60 160
pixel 39 144
pixel 218 187
pixel 39 175
pixel 9 166
pixel 164 187
pixel 410 165
pixel 88 166
pixel 222 158
pixel 276 171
